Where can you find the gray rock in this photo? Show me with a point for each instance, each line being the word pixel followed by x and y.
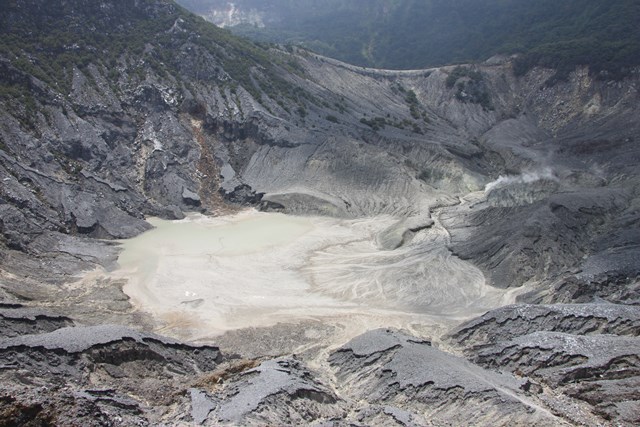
pixel 520 243
pixel 21 321
pixel 82 338
pixel 392 369
pixel 602 370
pixel 521 193
pixel 513 321
pixel 229 180
pixel 570 348
pixel 403 231
pixel 611 275
pixel 115 373
pixel 296 203
pixel 403 418
pixel 243 195
pixel 172 212
pixel 190 198
pixel 277 391
pixel 201 406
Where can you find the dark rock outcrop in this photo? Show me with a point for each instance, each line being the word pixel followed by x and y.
pixel 278 391
pixel 588 353
pixel 243 195
pixel 601 370
pixel 389 369
pixel 517 320
pixel 95 375
pixel 16 320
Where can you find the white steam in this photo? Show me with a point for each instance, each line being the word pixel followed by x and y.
pixel 232 15
pixel 528 177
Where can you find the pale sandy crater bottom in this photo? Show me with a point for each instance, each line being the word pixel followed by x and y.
pixel 202 276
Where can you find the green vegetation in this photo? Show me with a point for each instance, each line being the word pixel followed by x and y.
pixel 302 112
pixel 470 86
pixel 414 105
pixel 71 166
pixel 152 35
pixel 460 72
pixel 430 175
pixel 415 108
pixel 376 123
pixel 421 33
pixel 332 118
pixel 18 97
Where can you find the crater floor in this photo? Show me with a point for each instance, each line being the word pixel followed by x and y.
pixel 202 276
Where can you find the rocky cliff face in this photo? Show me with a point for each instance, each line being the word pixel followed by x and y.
pixel 146 110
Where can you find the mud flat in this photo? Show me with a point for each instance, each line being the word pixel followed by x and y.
pixel 201 277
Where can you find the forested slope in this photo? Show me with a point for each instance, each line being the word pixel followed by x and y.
pixel 417 33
